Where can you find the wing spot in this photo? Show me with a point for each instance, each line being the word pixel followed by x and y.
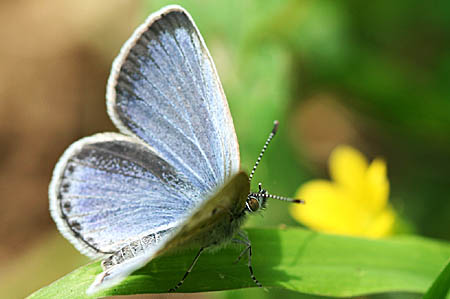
pixel 65 187
pixel 67 206
pixel 76 226
pixel 70 169
pixel 91 241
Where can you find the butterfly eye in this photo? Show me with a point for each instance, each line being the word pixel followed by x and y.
pixel 252 204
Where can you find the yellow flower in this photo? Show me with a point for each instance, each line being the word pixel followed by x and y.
pixel 354 203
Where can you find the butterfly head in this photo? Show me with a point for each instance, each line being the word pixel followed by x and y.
pixel 256 200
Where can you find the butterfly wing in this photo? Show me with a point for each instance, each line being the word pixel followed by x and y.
pixel 163 91
pixel 179 147
pixel 109 189
pixel 164 88
pixel 210 223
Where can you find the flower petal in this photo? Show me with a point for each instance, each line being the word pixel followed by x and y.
pixel 348 168
pixel 326 209
pixel 381 226
pixel 377 186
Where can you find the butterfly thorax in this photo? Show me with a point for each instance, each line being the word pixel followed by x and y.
pixel 216 221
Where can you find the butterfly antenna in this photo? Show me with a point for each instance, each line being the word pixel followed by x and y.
pixel 265 194
pixel 294 200
pixel 274 131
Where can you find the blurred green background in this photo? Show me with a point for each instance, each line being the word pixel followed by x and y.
pixel 375 75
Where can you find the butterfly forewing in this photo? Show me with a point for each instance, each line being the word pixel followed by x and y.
pixel 164 88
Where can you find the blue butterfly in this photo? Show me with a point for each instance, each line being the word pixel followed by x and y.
pixel 170 179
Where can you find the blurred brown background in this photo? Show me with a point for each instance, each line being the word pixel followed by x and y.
pixel 52 85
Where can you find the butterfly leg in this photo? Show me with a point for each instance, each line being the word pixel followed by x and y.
pixel 188 270
pixel 248 250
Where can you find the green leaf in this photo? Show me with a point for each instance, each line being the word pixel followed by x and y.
pixel 441 286
pixel 292 258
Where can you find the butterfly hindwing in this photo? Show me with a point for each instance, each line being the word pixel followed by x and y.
pixel 109 189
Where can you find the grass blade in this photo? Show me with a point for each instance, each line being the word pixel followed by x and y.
pixel 292 258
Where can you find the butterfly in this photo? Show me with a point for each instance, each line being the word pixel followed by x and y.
pixel 170 179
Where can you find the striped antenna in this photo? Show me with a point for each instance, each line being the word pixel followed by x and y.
pixel 265 194
pixel 274 131
pixel 294 200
